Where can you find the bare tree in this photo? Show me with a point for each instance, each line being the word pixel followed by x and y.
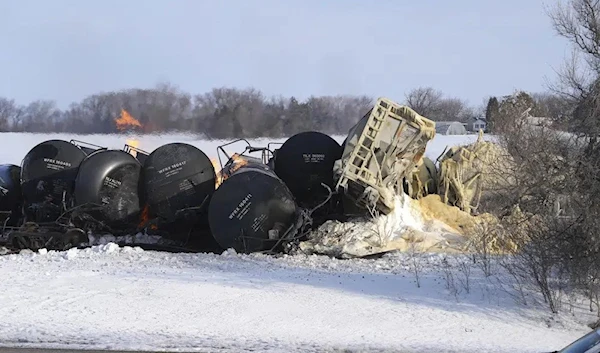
pixel 9 113
pixel 424 100
pixel 554 106
pixel 39 116
pixel 578 21
pixel 454 109
pixel 432 104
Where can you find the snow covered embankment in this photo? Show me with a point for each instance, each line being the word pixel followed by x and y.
pixel 126 298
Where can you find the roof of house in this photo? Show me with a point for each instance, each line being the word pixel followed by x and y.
pixel 474 118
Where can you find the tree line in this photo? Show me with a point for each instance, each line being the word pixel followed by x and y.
pixel 220 113
pixel 227 112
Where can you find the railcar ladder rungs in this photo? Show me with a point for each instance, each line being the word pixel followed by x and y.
pixel 365 146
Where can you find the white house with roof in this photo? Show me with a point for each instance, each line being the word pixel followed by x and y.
pixel 475 124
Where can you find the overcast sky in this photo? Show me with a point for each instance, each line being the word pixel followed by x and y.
pixel 65 50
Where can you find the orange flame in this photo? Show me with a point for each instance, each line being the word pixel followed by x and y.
pixel 219 176
pixel 133 143
pixel 145 217
pixel 125 121
pixel 238 162
pixel 222 174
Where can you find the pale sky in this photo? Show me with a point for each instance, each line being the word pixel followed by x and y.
pixel 65 50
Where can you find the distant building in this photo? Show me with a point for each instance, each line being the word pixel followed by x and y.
pixel 476 124
pixel 450 128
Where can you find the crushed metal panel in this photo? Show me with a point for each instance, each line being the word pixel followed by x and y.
pixel 423 180
pixel 380 150
pixel 467 173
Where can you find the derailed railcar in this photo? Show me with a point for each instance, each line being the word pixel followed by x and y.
pixel 106 191
pixel 305 162
pixel 47 186
pixel 379 152
pixel 48 174
pixel 252 210
pixel 178 181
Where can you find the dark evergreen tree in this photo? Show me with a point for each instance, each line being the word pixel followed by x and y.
pixel 491 111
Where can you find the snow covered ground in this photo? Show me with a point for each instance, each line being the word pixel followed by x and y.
pixel 126 298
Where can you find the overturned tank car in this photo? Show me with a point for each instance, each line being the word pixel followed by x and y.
pixel 379 152
pixel 304 162
pixel 106 191
pixel 252 210
pixel 47 201
pixel 48 174
pixel 178 181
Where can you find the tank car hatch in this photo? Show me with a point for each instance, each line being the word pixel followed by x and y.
pixel 48 175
